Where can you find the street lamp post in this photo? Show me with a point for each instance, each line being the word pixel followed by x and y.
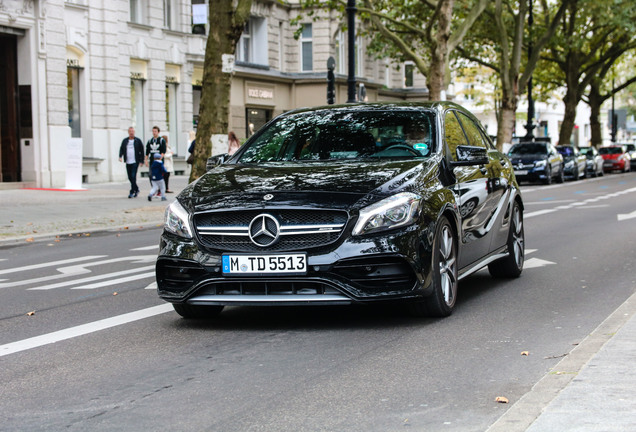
pixel 530 125
pixel 351 80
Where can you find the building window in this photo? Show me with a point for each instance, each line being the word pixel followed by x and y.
pixel 196 103
pixel 409 69
pixel 199 17
pixel 281 47
pixel 252 46
pixel 169 20
pixel 74 120
pixel 137 11
pixel 306 49
pixel 171 113
pixel 359 57
pixel 341 53
pixel 137 106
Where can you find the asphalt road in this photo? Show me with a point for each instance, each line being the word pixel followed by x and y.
pixel 102 352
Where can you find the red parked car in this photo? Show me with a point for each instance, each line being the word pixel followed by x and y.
pixel 615 158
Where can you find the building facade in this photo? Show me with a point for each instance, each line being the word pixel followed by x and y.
pixel 78 73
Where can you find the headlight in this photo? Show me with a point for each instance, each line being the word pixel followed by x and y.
pixel 539 164
pixel 176 220
pixel 393 212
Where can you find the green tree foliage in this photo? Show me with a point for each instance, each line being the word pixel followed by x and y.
pixel 425 32
pixel 499 41
pixel 592 36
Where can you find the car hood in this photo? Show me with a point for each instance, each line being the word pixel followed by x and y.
pixel 328 185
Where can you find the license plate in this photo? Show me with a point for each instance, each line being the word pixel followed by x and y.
pixel 521 172
pixel 288 264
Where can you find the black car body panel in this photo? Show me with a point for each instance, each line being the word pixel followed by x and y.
pixel 575 163
pixel 318 208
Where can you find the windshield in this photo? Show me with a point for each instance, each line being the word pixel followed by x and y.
pixel 587 151
pixel 341 134
pixel 610 150
pixel 527 149
pixel 566 151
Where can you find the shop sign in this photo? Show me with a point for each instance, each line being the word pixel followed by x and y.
pixel 259 94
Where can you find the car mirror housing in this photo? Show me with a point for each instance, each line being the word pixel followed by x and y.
pixel 470 155
pixel 216 160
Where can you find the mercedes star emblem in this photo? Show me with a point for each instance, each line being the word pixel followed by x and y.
pixel 264 230
pixel 268 197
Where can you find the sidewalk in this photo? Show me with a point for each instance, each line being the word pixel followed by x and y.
pixel 592 389
pixel 32 214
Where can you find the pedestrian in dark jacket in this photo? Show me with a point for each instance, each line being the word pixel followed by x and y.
pixel 131 152
pixel 157 170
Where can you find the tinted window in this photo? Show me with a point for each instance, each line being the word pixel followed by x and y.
pixel 566 151
pixel 475 137
pixel 528 149
pixel 343 134
pixel 610 150
pixel 454 133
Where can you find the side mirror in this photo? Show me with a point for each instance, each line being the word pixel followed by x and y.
pixel 470 155
pixel 216 160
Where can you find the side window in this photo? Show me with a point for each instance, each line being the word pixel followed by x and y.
pixel 453 133
pixel 475 137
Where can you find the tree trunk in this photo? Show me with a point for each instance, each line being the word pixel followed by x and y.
pixel 439 54
pixel 571 100
pixel 506 118
pixel 595 102
pixel 226 26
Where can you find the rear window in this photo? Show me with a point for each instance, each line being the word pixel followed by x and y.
pixel 528 149
pixel 610 150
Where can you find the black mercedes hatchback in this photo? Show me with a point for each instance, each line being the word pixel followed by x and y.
pixel 345 204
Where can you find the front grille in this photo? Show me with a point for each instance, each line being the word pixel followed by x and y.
pixel 268 288
pixel 228 231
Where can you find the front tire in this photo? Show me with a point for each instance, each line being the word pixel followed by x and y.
pixel 444 266
pixel 189 311
pixel 560 177
pixel 512 265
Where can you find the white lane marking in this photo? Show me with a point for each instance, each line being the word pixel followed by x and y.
pixel 72 332
pixel 549 202
pixel 50 264
pixel 91 278
pixel 116 281
pixel 584 204
pixel 535 263
pixel 79 269
pixel 622 217
pixel 145 248
pixel 529 251
pixel 538 213
pixel 152 286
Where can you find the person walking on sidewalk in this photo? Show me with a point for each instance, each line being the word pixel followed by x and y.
pixel 157 170
pixel 168 163
pixel 233 143
pixel 131 152
pixel 155 145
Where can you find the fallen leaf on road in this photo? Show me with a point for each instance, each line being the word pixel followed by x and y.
pixel 115 293
pixel 30 223
pixel 87 234
pixel 31 313
pixel 501 399
pixel 30 239
pixel 525 353
pixel 57 240
pixel 125 227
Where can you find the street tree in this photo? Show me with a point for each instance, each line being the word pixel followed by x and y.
pixel 424 32
pixel 227 20
pixel 499 40
pixel 592 36
pixel 600 90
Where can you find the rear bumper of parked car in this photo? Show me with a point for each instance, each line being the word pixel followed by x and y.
pixel 613 164
pixel 362 270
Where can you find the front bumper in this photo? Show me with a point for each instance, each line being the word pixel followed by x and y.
pixel 530 173
pixel 361 269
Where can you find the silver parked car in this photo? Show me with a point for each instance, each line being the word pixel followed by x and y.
pixel 594 166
